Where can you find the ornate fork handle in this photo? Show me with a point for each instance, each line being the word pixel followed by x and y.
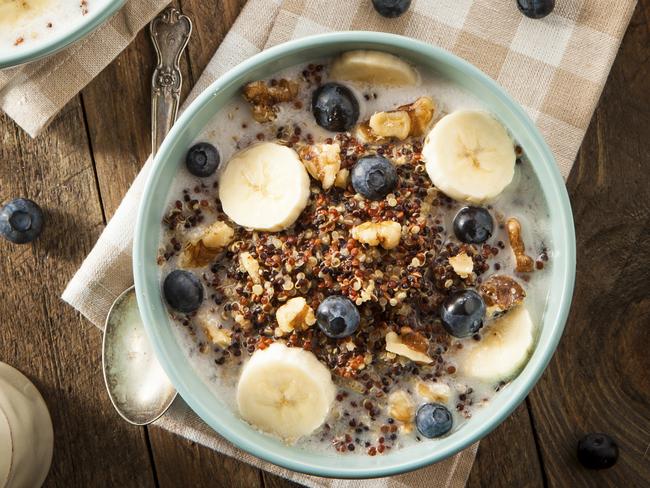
pixel 170 31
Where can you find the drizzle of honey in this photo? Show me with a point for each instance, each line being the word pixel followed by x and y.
pixel 14 12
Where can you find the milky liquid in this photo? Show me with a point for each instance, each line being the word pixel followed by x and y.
pixel 26 23
pixel 522 199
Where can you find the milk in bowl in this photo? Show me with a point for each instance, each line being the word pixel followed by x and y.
pixel 27 24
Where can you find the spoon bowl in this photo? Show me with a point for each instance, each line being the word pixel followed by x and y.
pixel 136 383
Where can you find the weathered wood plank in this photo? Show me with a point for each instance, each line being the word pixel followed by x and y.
pixel 508 456
pixel 180 462
pixel 119 128
pixel 599 380
pixel 42 336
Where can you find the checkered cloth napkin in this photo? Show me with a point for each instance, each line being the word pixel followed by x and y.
pixel 555 67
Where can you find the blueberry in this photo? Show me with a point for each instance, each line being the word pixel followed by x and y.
pixel 202 159
pixel 433 420
pixel 338 317
pixel 473 225
pixel 391 8
pixel 462 313
pixel 183 291
pixel 374 177
pixel 21 221
pixel 335 107
pixel 597 451
pixel 536 9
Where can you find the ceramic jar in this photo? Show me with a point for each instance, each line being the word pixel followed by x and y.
pixel 26 436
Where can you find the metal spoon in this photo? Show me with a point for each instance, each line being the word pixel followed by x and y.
pixel 136 383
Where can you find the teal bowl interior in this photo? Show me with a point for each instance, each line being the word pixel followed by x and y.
pixel 159 327
pixel 60 41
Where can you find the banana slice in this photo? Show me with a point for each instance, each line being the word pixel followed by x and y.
pixel 264 187
pixel 374 67
pixel 469 156
pixel 285 391
pixel 504 348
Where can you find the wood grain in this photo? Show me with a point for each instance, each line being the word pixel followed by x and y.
pixel 599 379
pixel 42 336
pixel 119 128
pixel 510 449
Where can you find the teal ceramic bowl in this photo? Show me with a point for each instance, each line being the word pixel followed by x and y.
pixel 159 327
pixel 27 54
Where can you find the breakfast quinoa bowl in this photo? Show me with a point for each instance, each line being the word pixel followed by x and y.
pixel 354 256
pixel 342 249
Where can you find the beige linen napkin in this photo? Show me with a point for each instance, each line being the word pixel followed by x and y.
pixel 34 93
pixel 555 67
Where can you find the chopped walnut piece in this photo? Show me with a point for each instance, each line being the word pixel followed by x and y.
pixel 409 344
pixel 401 406
pixel 386 233
pixel 210 326
pixel 395 123
pixel 251 266
pixel 462 264
pixel 433 392
pixel 391 124
pixel 294 315
pixel 342 178
pixel 421 113
pixel 501 293
pixel 524 263
pixel 323 162
pixel 264 97
pixel 365 134
pixel 202 251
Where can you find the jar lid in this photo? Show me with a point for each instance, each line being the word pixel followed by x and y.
pixel 28 425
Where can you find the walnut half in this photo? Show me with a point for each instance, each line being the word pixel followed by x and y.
pixel 200 252
pixel 264 97
pixel 411 120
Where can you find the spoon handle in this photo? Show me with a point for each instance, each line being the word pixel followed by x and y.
pixel 170 31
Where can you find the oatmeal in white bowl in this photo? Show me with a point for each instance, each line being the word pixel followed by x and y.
pixel 30 29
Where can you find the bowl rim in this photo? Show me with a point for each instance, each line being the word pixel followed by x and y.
pixel 60 41
pixel 563 247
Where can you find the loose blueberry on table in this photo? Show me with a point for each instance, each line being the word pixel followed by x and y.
pixel 597 451
pixel 536 9
pixel 391 8
pixel 21 221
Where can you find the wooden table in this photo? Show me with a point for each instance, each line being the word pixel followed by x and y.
pixel 80 168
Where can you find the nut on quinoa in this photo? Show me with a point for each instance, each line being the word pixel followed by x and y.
pixel 385 234
pixel 201 251
pixel 322 161
pixel 409 344
pixel 391 124
pixel 462 264
pixel 294 315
